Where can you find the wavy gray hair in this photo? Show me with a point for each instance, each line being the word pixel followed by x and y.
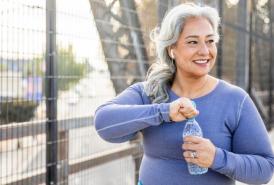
pixel 161 74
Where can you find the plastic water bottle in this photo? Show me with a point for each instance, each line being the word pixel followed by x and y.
pixel 192 128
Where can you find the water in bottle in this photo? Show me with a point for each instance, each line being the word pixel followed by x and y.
pixel 192 128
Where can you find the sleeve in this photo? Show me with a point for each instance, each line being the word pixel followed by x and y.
pixel 120 119
pixel 251 160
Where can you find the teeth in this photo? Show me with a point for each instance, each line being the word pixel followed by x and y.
pixel 200 61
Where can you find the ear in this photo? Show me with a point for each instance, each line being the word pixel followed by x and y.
pixel 171 52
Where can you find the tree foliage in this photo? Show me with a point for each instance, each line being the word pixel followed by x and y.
pixel 68 69
pixel 17 110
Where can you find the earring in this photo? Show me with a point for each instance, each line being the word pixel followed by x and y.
pixel 172 54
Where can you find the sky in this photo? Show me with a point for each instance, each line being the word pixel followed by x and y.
pixel 23 29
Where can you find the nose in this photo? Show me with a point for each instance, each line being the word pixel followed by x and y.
pixel 203 49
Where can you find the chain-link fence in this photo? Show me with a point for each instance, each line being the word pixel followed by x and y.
pixel 60 59
pixel 53 76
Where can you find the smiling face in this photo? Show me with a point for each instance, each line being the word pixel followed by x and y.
pixel 195 51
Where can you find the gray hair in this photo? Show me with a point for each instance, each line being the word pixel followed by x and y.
pixel 161 74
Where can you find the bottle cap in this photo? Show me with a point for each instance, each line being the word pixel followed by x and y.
pixel 194 104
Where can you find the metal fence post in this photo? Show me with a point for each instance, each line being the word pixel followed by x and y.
pixel 250 71
pixel 271 76
pixel 219 69
pixel 243 44
pixel 51 94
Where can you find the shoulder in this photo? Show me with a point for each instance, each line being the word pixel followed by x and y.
pixel 231 98
pixel 232 91
pixel 139 87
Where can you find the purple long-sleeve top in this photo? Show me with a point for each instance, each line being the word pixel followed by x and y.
pixel 228 117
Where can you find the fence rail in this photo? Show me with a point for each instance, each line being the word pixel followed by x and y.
pixel 73 166
pixel 11 131
pixel 38 176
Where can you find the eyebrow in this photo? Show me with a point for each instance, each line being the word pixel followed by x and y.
pixel 196 36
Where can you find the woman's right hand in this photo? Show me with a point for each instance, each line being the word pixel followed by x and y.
pixel 182 109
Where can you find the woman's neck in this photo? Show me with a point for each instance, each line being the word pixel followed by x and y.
pixel 191 87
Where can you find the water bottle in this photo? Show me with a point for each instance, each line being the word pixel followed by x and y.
pixel 192 128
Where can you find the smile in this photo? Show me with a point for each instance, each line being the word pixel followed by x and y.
pixel 204 61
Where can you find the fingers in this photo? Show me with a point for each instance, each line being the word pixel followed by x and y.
pixel 189 114
pixel 192 160
pixel 193 139
pixel 197 150
pixel 190 146
pixel 192 143
pixel 190 154
pixel 191 157
pixel 182 109
pixel 185 102
pixel 187 108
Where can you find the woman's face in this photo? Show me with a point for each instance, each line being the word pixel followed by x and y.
pixel 195 51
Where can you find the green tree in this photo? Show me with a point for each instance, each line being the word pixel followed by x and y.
pixel 69 71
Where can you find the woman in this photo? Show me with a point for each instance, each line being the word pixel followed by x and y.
pixel 160 106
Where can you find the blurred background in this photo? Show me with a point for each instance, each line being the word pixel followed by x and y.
pixel 60 59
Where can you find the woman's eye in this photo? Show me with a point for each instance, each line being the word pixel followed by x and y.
pixel 192 42
pixel 210 41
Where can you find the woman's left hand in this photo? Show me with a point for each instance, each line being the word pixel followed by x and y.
pixel 204 149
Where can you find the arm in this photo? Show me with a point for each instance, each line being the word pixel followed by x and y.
pixel 251 159
pixel 121 118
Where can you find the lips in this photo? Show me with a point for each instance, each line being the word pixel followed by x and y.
pixel 201 61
